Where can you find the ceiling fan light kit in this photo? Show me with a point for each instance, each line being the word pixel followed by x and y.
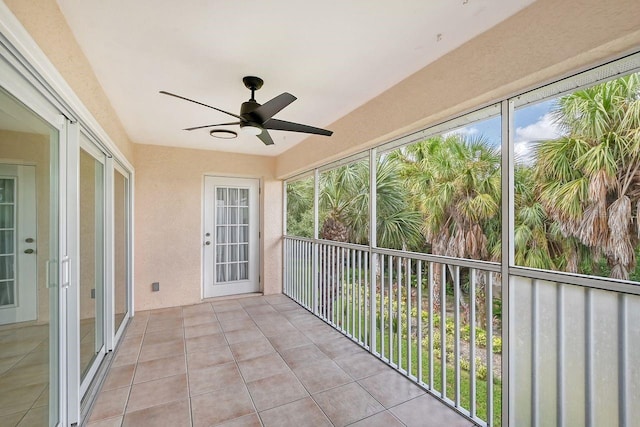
pixel 223 133
pixel 256 119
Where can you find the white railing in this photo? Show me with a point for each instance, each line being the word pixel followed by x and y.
pixel 392 303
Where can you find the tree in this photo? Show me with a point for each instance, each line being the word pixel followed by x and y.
pixel 588 179
pixel 455 182
pixel 300 208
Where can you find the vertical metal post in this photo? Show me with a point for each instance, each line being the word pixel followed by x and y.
pixel 315 273
pixel 373 243
pixel 419 319
pixel 407 275
pixel 472 343
pixel 443 329
pixel 456 334
pixel 382 326
pixel 489 304
pixel 398 313
pixel 430 285
pixel 507 258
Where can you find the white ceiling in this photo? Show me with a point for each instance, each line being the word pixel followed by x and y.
pixel 333 55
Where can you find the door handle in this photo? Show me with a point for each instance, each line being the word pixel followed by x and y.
pixel 29 251
pixel 207 243
pixel 29 240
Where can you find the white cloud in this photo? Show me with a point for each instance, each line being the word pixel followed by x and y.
pixel 544 128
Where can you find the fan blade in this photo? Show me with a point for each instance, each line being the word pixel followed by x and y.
pixel 209 126
pixel 272 107
pixel 294 127
pixel 265 137
pixel 199 103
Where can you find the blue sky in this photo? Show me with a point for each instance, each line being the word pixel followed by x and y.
pixel 532 123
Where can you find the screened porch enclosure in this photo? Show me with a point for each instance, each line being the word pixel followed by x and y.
pixel 491 259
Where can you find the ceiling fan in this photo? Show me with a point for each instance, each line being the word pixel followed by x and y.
pixel 256 119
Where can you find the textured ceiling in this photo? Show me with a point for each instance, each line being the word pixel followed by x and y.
pixel 333 55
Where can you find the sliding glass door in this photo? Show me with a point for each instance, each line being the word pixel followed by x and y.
pixel 29 254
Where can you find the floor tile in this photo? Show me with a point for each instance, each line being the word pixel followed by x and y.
pixel 382 419
pixel 200 319
pixel 245 334
pixel 213 378
pixel 290 340
pixel 160 368
pixel 196 309
pixel 340 347
pixel 360 365
pixel 109 422
pixel 251 301
pixel 320 376
pixel 227 305
pixel 160 351
pixel 262 367
pixel 163 336
pixel 236 324
pixel 164 324
pixel 276 390
pixel 255 310
pixel 251 349
pixel 110 404
pixel 278 299
pixel 119 376
pixel 202 329
pixel 302 356
pixel 156 392
pixel 206 358
pixel 220 406
pixel 35 417
pixel 304 412
pixel 232 315
pixel 250 420
pixel 428 412
pixel 347 404
pixel 205 341
pixel 390 388
pixel 171 414
pixel 11 420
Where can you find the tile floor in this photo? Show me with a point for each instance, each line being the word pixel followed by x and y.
pixel 257 361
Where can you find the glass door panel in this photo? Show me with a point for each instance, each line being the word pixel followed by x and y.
pixel 29 292
pixel 121 246
pixel 91 292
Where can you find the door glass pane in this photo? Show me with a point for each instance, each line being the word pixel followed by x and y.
pixel 29 335
pixel 243 272
pixel 91 296
pixel 121 246
pixel 232 210
pixel 6 241
pixel 7 188
pixel 7 293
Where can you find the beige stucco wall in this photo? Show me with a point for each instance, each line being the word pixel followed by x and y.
pixel 46 25
pixel 169 217
pixel 548 39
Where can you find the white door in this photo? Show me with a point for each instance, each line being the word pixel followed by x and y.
pixel 18 244
pixel 230 238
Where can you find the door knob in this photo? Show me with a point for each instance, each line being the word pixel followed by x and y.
pixel 207 243
pixel 29 240
pixel 29 251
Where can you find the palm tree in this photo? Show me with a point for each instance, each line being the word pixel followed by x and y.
pixel 589 179
pixel 344 210
pixel 455 182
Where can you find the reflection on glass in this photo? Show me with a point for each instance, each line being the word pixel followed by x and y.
pixel 121 248
pixel 30 345
pixel 91 260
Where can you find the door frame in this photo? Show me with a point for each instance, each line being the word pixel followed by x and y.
pixel 207 224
